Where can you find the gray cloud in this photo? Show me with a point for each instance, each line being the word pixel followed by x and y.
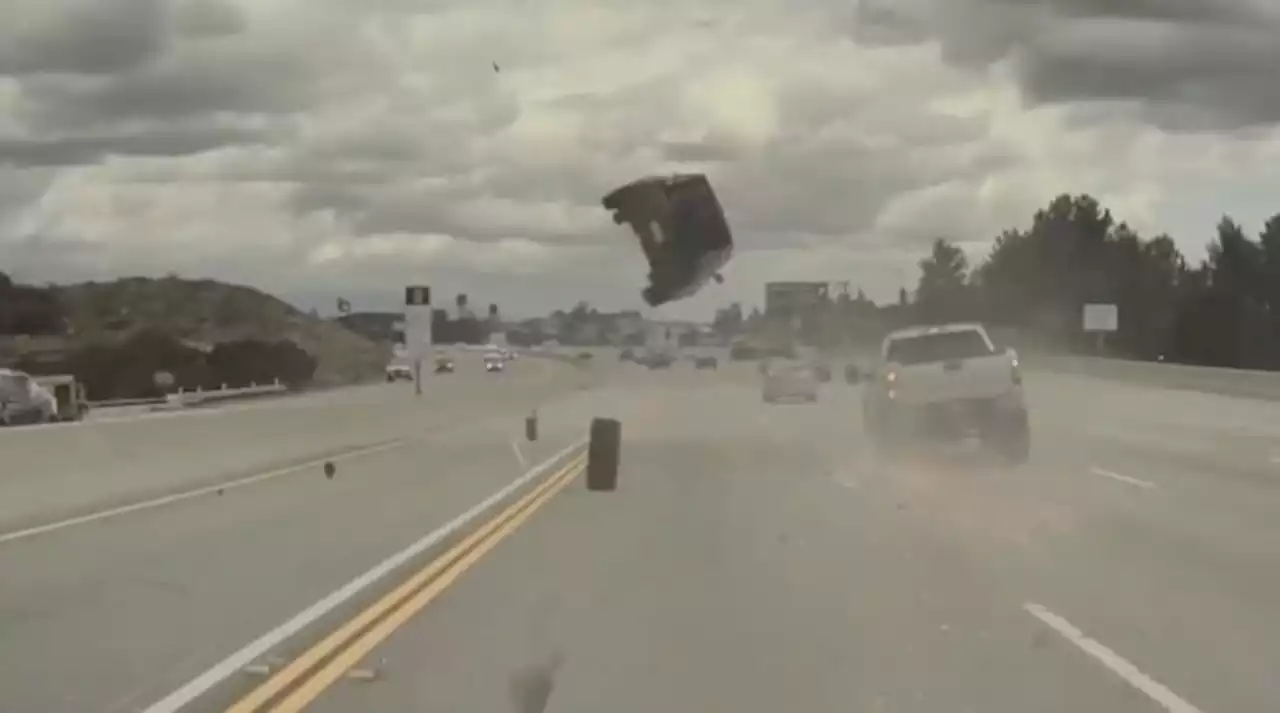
pixel 362 143
pixel 80 36
pixel 1189 64
pixel 204 19
pixel 80 150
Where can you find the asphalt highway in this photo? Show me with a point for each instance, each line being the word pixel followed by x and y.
pixel 754 557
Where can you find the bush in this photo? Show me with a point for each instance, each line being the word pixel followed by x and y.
pixel 249 361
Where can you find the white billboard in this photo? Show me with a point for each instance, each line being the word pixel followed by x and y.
pixel 793 298
pixel 1101 317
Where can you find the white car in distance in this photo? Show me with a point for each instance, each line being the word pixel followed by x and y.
pixel 790 380
pixel 494 362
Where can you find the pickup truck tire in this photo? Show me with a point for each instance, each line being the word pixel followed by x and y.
pixel 1010 437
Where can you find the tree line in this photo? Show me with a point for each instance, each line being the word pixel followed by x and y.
pixel 128 369
pixel 29 309
pixel 1223 310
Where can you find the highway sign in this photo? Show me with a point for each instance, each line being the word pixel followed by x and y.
pixel 1100 317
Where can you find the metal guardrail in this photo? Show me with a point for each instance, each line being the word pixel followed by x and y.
pixel 183 398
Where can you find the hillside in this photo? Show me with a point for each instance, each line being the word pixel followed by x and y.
pixel 378 326
pixel 206 312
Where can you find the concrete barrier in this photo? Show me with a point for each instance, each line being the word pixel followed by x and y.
pixel 1246 383
pixel 182 399
pixel 63 470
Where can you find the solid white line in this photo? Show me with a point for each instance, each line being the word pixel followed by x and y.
pixel 1117 663
pixel 232 664
pixel 515 446
pixel 1122 478
pixel 188 494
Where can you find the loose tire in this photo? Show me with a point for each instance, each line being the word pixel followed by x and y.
pixel 604 451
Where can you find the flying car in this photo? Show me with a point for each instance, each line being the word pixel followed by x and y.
pixel 681 228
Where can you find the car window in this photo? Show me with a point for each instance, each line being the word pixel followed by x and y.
pixel 791 369
pixel 941 346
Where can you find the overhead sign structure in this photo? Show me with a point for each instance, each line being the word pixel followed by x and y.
pixel 1099 317
pixel 417 332
pixel 792 298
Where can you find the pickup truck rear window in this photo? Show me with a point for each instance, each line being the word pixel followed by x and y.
pixel 943 346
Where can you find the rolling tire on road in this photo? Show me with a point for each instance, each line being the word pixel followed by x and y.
pixel 604 454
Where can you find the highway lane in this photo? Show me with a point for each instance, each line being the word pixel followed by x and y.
pixel 63 470
pixel 757 558
pixel 111 614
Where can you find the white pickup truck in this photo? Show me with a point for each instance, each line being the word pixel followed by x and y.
pixel 949 382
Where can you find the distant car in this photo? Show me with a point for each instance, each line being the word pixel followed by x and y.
pixel 705 362
pixel 494 364
pixel 659 361
pixel 627 355
pixel 400 372
pixel 786 381
pixel 852 374
pixel 24 401
pixel 444 365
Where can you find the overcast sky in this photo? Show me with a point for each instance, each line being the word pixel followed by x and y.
pixel 317 148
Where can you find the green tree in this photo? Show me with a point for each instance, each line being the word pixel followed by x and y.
pixel 942 293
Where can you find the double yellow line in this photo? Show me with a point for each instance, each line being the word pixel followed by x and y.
pixel 303 680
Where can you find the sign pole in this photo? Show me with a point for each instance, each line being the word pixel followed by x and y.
pixel 417 317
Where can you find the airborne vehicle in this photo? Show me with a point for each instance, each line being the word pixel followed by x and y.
pixel 681 228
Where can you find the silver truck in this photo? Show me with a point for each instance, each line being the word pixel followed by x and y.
pixel 23 400
pixel 947 382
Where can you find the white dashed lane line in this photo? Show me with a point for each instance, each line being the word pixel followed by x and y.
pixel 1117 664
pixel 1146 484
